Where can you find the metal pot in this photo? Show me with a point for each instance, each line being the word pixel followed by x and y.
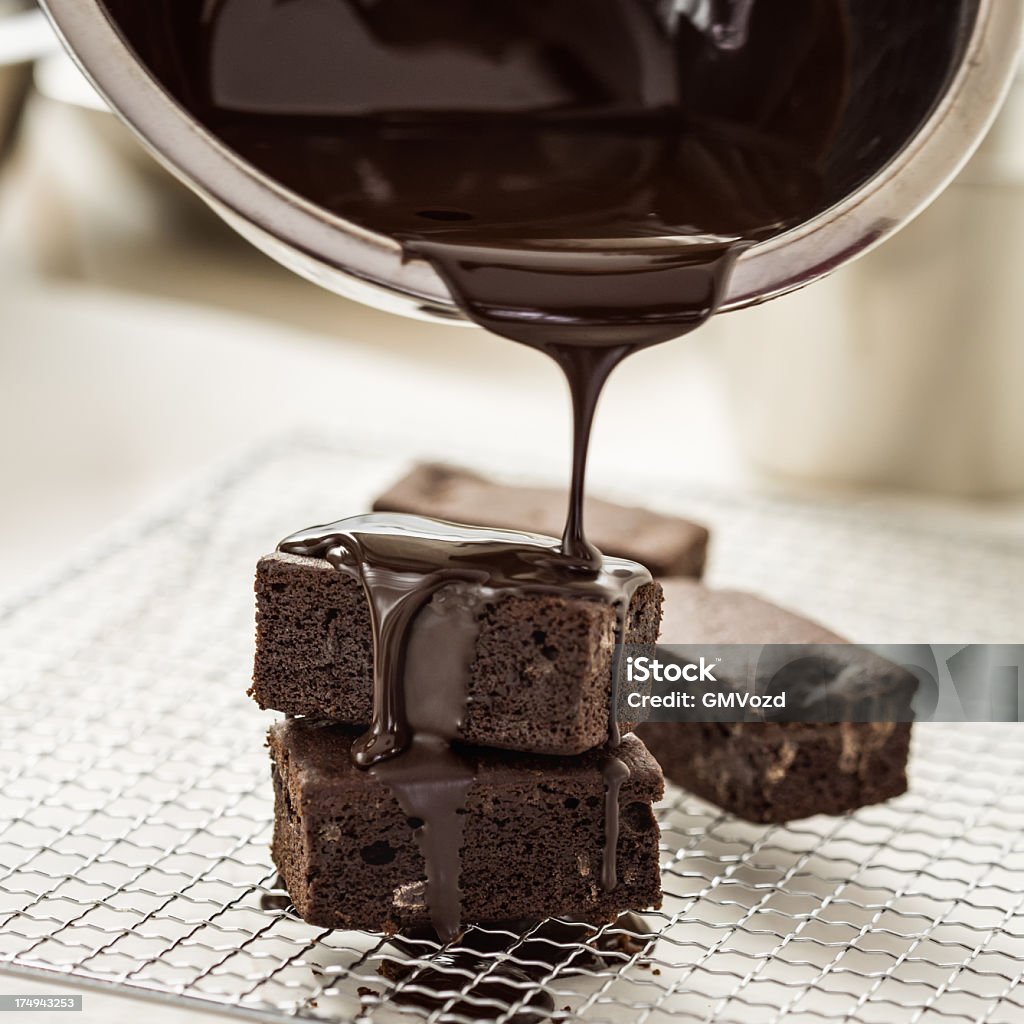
pixel 934 71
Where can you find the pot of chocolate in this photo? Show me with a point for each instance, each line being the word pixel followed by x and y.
pixel 956 87
pixel 904 369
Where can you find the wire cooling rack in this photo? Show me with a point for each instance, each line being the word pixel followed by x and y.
pixel 135 801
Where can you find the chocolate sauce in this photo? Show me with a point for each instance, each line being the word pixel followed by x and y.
pixel 406 563
pixel 443 988
pixel 615 772
pixel 583 177
pixel 431 782
pixel 509 963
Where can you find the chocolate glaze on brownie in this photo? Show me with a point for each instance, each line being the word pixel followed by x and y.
pixel 530 845
pixel 540 678
pixel 667 545
pixel 402 562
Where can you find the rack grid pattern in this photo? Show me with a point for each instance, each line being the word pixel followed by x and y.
pixel 135 803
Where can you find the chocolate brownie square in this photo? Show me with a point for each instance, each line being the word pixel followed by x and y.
pixel 532 845
pixel 777 771
pixel 780 771
pixel 540 679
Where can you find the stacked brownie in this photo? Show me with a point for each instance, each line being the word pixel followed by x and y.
pixel 533 836
pixel 540 680
pixel 535 806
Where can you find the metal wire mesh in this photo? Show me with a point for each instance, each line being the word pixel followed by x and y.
pixel 135 801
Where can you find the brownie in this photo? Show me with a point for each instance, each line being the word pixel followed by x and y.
pixel 540 679
pixel 696 614
pixel 666 545
pixel 779 771
pixel 532 843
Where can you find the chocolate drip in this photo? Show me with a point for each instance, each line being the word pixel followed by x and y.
pixel 616 772
pixel 431 783
pixel 586 372
pixel 403 562
pixel 439 655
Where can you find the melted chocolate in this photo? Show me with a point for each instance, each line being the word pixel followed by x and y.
pixel 582 181
pixel 616 772
pixel 500 986
pixel 404 562
pixel 431 783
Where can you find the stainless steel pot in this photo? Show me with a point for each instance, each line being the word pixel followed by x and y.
pixel 946 63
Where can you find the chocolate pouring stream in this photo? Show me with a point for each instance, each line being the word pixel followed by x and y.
pixel 583 180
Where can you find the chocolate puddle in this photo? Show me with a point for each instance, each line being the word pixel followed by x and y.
pixel 503 986
pixel 582 176
pixel 507 962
